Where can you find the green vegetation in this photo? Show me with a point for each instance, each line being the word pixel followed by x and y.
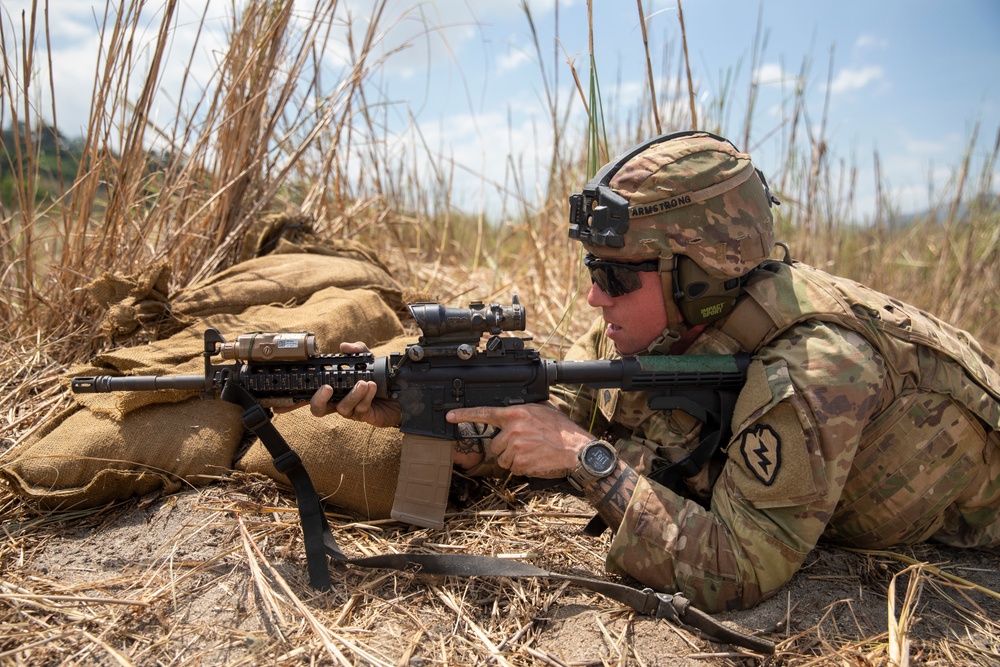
pixel 55 158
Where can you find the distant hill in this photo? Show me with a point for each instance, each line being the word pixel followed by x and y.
pixel 54 155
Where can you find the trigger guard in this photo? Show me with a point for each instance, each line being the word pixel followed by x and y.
pixel 485 436
pixel 492 431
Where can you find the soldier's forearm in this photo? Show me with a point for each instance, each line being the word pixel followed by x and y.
pixel 610 495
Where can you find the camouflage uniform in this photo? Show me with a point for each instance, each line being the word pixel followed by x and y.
pixel 845 431
pixel 864 422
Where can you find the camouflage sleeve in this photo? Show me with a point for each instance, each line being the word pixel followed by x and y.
pixel 797 425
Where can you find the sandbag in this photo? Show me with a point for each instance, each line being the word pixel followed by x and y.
pixel 138 303
pixel 112 446
pixel 87 459
pixel 283 278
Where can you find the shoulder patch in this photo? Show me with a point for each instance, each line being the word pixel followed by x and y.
pixel 757 392
pixel 761 449
pixel 607 401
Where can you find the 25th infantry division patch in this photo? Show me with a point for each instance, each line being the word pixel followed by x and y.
pixel 761 449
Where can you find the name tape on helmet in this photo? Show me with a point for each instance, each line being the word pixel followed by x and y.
pixel 679 201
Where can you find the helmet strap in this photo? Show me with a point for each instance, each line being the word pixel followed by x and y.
pixel 668 284
pixel 665 343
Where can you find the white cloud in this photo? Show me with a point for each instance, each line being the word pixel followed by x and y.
pixel 487 156
pixel 848 80
pixel 929 147
pixel 867 41
pixel 514 58
pixel 770 74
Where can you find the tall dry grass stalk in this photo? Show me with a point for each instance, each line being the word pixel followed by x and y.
pixel 279 129
pixel 276 129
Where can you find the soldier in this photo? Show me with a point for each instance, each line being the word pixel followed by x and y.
pixel 864 421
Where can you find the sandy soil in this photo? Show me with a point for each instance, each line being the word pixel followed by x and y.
pixel 217 576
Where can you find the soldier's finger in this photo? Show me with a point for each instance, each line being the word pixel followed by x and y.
pixel 319 405
pixel 357 347
pixel 480 415
pixel 358 399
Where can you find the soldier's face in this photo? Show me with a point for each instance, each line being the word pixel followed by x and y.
pixel 635 319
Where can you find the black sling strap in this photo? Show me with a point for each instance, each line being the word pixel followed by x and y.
pixel 319 543
pixel 316 533
pixel 716 430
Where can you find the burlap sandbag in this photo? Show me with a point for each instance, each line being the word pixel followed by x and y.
pixel 284 277
pixel 85 459
pixel 113 446
pixel 139 302
pixel 352 465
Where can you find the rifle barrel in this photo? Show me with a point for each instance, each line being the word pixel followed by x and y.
pixel 101 384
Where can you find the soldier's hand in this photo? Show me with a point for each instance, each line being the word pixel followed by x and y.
pixel 535 439
pixel 360 403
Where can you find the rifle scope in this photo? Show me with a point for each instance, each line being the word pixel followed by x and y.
pixel 437 321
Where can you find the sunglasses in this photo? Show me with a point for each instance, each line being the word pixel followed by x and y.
pixel 617 278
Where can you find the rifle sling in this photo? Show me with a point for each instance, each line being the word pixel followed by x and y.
pixel 315 528
pixel 319 542
pixel 715 431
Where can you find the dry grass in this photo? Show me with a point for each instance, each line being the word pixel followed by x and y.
pixel 217 576
pixel 226 583
pixel 230 585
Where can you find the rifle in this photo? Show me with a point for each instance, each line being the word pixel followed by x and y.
pixel 445 369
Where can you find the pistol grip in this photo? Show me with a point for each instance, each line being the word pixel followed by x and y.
pixel 424 481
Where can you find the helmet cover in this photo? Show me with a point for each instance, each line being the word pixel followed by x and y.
pixel 688 193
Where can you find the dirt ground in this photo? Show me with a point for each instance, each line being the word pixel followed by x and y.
pixel 217 576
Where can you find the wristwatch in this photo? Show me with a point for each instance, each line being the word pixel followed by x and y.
pixel 598 459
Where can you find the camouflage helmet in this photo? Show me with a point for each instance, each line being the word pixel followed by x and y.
pixel 686 193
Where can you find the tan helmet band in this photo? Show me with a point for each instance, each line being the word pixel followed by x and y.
pixel 679 201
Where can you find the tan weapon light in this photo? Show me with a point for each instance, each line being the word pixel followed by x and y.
pixel 298 346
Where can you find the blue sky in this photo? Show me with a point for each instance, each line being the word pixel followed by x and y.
pixel 906 79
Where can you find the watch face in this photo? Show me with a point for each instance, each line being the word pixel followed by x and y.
pixel 600 459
